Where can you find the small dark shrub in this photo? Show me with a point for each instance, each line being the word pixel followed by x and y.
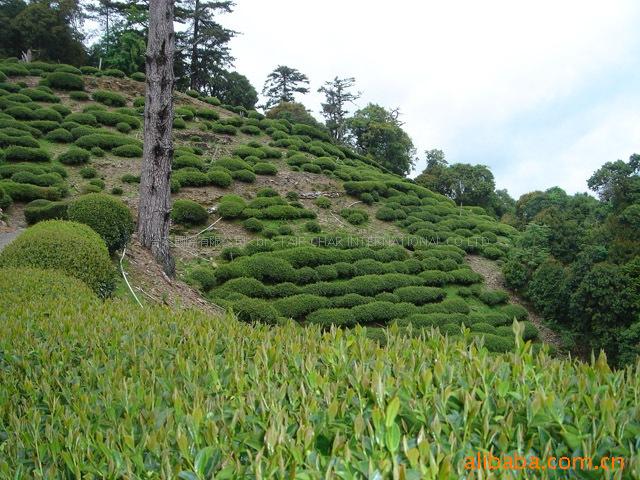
pixel 108 217
pixel 128 151
pixel 64 81
pixel 111 99
pixel 188 212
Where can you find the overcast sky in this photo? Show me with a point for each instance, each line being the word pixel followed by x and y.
pixel 543 92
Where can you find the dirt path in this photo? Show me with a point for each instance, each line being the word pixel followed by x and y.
pixel 7 237
pixel 493 278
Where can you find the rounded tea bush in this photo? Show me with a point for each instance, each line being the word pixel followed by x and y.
pixel 219 178
pixel 263 168
pixel 64 81
pixel 74 156
pixel 188 212
pixel 128 151
pixel 111 99
pixel 253 225
pixel 70 247
pixel 109 217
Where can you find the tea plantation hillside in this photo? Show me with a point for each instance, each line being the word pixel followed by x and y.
pixel 356 341
pixel 306 230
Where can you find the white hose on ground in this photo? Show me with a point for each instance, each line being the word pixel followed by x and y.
pixel 124 275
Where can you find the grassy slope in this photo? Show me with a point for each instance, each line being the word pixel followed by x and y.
pixel 448 220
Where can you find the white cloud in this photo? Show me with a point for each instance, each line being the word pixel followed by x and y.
pixel 466 73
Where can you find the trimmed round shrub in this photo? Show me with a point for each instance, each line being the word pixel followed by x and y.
pixel 179 123
pixel 493 297
pixel 514 311
pixel 113 72
pixel 41 209
pixel 204 277
pixel 74 156
pixel 128 151
pixel 207 114
pixel 188 212
pixel 436 278
pixel 497 344
pixel 331 316
pixel 230 208
pixel 5 199
pixel 106 141
pixel 219 178
pixel 117 191
pixel 190 177
pixel 465 276
pixel 59 135
pixel 64 81
pixel 244 176
pixel 322 202
pixel 253 225
pixel 262 168
pixel 79 96
pixel 311 168
pixel 187 160
pixel 25 154
pixel 111 99
pixel 123 127
pixel 88 70
pixel 88 172
pixel 71 247
pixel 232 164
pixel 109 217
pixel 37 95
pixel 253 310
pixel 138 76
pixel 213 101
pixel 313 227
pixel 354 216
pixel 130 178
pixel 221 128
pixel 530 331
pixel 420 295
pixel 250 130
pixel 299 306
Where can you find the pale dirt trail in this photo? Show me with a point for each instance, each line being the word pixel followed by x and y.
pixel 494 279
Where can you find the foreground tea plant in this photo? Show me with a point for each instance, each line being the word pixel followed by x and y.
pixel 99 390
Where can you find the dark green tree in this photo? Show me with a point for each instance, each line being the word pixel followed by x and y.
pixel 377 131
pixel 234 88
pixel 282 84
pixel 205 44
pixel 338 95
pixel 51 30
pixel 617 182
pixel 293 112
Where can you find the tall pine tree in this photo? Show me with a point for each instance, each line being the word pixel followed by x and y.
pixel 282 84
pixel 334 109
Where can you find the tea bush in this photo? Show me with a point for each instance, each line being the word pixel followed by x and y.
pixel 106 141
pixel 219 178
pixel 41 209
pixel 188 212
pixel 70 247
pixel 111 99
pixel 25 154
pixel 64 81
pixel 128 151
pixel 107 216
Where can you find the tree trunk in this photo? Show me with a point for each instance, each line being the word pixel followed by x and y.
pixel 155 190
pixel 194 46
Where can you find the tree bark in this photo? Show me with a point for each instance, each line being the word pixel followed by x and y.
pixel 155 189
pixel 194 46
